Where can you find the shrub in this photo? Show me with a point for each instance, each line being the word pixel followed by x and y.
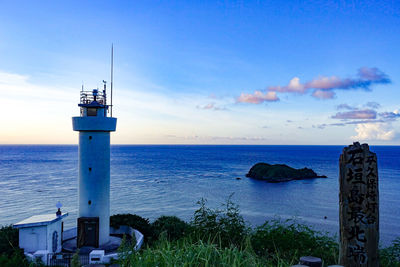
pixel 290 240
pixel 135 221
pixel 172 226
pixel 390 256
pixel 8 240
pixel 225 226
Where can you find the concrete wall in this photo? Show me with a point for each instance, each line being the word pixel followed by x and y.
pixel 94 179
pixel 51 228
pixel 36 238
pixel 32 239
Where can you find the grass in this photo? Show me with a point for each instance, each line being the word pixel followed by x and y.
pixel 214 237
pixel 188 252
pixel 220 237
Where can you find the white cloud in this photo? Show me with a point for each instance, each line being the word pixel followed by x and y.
pixel 293 86
pixel 374 131
pixel 257 98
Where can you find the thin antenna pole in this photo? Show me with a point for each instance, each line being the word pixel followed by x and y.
pixel 112 71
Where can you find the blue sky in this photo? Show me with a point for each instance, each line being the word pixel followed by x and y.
pixel 204 72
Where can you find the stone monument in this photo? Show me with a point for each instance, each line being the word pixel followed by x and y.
pixel 359 206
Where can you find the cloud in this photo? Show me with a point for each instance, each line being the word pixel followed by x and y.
pixel 373 105
pixel 257 98
pixel 368 105
pixel 390 115
pixel 320 94
pixel 329 83
pixel 373 75
pixel 322 126
pixel 370 125
pixel 294 86
pixel 323 87
pixel 356 114
pixel 210 106
pixel 374 131
pixel 345 106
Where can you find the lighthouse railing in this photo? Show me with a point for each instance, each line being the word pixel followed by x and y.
pixel 87 97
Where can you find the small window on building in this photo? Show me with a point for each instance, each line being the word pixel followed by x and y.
pixel 90 169
pixel 89 202
pixel 92 111
pixel 90 137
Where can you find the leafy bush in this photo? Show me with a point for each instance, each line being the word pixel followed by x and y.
pixel 172 226
pixel 8 240
pixel 390 256
pixel 135 221
pixel 15 259
pixel 18 259
pixel 10 254
pixel 289 240
pixel 225 226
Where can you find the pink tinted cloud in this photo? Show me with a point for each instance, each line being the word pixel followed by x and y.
pixel 323 94
pixel 210 106
pixel 294 86
pixel 257 98
pixel 356 114
pixel 323 86
pixel 373 75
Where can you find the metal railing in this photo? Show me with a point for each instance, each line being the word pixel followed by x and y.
pixel 64 259
pixel 88 97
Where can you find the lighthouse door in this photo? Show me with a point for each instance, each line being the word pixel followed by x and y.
pixel 88 232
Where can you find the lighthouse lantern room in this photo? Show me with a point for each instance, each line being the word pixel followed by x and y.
pixel 94 126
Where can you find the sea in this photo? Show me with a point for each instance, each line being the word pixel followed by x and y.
pixel 155 180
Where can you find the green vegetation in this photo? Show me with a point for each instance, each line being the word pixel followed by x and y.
pixel 225 227
pixel 220 237
pixel 10 253
pixel 187 252
pixel 171 226
pixel 289 239
pixel 141 224
pixel 280 173
pixel 75 259
pixel 214 237
pixel 390 256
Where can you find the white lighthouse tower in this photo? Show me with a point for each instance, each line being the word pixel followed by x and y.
pixel 94 126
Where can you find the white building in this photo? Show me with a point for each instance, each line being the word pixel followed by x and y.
pixel 40 235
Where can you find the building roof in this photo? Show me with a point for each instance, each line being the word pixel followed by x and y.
pixel 40 220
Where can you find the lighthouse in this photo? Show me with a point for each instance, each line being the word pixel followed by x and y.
pixel 94 127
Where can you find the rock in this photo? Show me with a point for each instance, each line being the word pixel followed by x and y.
pixel 280 173
pixel 238 178
pixel 311 261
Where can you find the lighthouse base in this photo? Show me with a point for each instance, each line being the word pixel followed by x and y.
pixel 111 246
pixel 88 232
pixel 70 236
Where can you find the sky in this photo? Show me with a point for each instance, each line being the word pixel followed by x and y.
pixel 204 72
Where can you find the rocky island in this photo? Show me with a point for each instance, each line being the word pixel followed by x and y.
pixel 280 173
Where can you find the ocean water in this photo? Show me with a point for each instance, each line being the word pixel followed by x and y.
pixel 155 180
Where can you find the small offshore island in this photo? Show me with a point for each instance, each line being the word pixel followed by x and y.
pixel 277 173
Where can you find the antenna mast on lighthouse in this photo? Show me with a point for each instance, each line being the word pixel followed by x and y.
pixel 112 71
